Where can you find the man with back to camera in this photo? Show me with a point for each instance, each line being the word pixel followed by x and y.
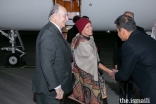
pixel 138 58
pixel 52 76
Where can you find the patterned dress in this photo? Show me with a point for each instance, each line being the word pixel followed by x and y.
pixel 86 88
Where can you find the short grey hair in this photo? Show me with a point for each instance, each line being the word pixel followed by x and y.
pixel 130 13
pixel 54 9
pixel 125 22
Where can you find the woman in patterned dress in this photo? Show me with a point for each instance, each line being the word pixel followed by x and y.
pixel 89 85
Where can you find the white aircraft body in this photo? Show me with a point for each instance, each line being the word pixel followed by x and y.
pixel 24 14
pixel 29 15
pixel 103 13
pixel 33 14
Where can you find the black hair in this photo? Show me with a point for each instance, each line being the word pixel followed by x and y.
pixel 85 17
pixel 75 18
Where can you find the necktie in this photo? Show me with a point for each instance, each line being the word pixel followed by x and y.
pixel 63 35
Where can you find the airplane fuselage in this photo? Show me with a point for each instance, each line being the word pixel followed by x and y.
pixel 33 14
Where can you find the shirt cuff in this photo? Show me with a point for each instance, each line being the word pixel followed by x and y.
pixel 57 87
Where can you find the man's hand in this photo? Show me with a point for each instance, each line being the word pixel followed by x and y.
pixel 59 93
pixel 112 74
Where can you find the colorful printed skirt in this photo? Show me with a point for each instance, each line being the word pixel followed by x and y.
pixel 85 89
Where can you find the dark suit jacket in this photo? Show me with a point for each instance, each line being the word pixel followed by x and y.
pixel 117 48
pixel 71 33
pixel 117 51
pixel 139 63
pixel 53 61
pixel 141 29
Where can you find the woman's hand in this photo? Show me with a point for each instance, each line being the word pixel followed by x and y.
pixel 102 67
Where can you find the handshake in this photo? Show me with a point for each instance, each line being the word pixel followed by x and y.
pixel 112 73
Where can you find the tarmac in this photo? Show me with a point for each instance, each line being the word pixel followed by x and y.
pixel 16 88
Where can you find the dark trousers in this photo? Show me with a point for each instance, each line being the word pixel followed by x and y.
pixel 50 99
pixel 128 88
pixel 47 99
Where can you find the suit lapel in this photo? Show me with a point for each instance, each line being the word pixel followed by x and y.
pixel 59 34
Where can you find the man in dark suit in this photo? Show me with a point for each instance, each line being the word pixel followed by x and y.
pixel 138 58
pixel 52 76
pixel 126 87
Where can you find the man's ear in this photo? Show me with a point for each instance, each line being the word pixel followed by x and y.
pixel 54 15
pixel 124 31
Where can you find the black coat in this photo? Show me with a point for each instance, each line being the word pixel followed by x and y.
pixel 117 48
pixel 117 51
pixel 139 63
pixel 141 29
pixel 53 61
pixel 71 33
